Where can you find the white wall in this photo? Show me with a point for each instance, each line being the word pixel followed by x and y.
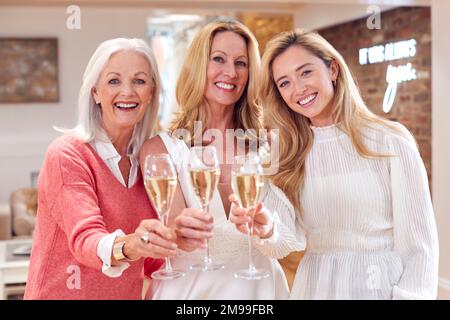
pixel 441 130
pixel 316 16
pixel 26 129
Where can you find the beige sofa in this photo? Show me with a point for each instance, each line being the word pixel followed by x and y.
pixel 5 221
pixel 17 218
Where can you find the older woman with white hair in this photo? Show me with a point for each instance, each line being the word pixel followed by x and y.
pixel 93 209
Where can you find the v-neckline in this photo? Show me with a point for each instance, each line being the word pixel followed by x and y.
pixel 219 206
pixel 109 170
pixel 187 183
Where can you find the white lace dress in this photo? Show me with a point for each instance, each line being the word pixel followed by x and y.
pixel 230 247
pixel 369 224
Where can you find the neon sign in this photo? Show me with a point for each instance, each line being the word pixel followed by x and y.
pixel 394 75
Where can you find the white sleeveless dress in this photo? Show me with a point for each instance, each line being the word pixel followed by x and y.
pixel 230 247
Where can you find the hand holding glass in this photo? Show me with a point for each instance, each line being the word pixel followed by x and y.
pixel 160 181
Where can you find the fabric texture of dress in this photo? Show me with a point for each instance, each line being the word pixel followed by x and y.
pixel 369 223
pixel 228 246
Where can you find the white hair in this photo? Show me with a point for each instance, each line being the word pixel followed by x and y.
pixel 89 114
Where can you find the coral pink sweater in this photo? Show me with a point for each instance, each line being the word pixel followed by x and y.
pixel 80 201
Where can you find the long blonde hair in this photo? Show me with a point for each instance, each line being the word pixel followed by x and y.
pixel 295 135
pixel 192 80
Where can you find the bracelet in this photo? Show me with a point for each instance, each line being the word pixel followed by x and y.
pixel 118 253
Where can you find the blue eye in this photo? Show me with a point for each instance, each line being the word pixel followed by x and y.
pixel 114 81
pixel 139 81
pixel 241 63
pixel 218 59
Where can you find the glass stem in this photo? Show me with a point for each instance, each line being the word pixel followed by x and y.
pixel 251 266
pixel 165 221
pixel 207 258
pixel 168 265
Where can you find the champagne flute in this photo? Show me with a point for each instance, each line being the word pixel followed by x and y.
pixel 160 180
pixel 247 182
pixel 204 169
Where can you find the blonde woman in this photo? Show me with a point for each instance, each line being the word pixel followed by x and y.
pixel 356 181
pixel 217 89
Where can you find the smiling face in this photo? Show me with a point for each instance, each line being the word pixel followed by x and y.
pixel 305 84
pixel 227 70
pixel 124 91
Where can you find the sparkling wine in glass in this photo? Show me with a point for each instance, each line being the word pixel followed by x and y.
pixel 204 169
pixel 247 182
pixel 160 180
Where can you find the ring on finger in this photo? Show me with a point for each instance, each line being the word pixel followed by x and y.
pixel 145 237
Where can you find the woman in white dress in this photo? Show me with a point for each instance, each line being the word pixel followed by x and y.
pixel 216 89
pixel 357 181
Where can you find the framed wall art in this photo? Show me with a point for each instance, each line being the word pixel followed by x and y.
pixel 29 70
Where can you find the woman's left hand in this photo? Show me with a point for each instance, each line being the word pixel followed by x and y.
pixel 262 218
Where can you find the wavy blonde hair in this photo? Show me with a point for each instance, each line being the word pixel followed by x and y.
pixel 349 113
pixel 192 80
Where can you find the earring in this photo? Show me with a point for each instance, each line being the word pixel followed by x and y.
pixel 334 83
